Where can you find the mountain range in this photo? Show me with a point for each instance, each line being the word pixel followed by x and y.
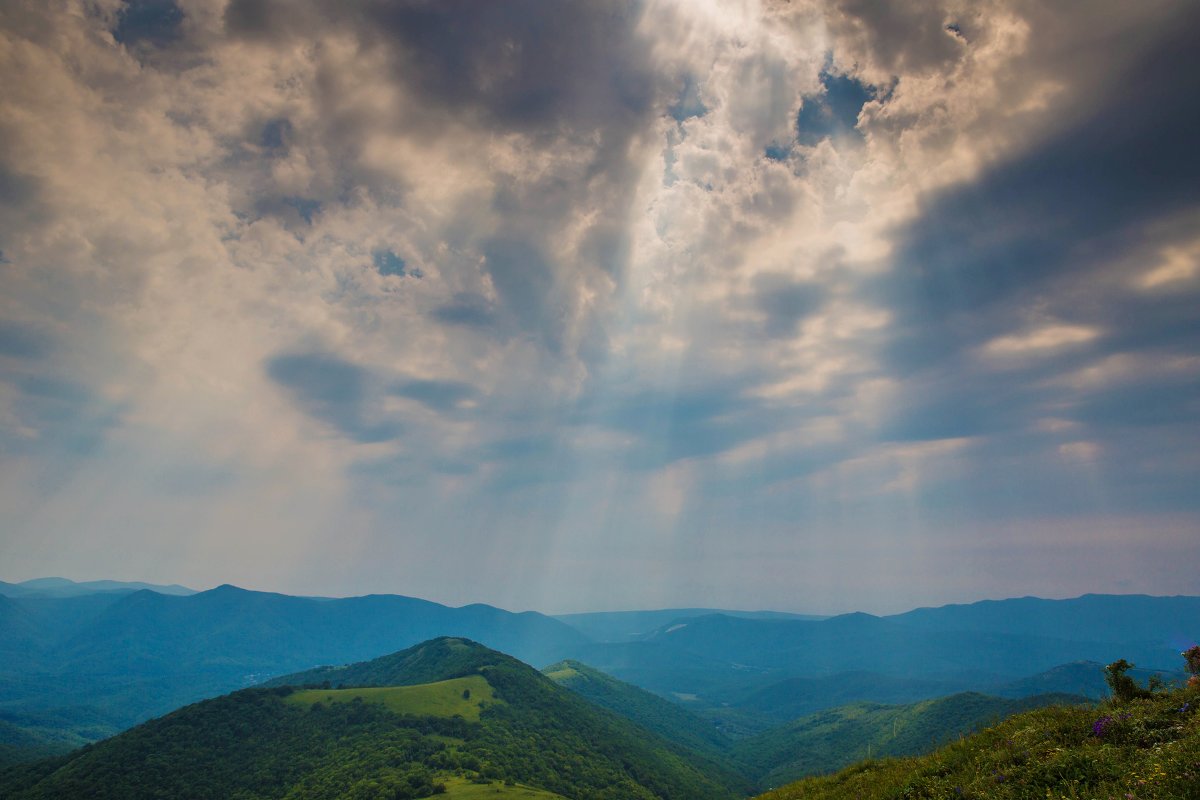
pixel 78 665
pixel 452 716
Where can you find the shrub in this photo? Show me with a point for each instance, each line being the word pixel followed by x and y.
pixel 1124 688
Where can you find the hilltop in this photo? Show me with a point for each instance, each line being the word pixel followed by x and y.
pixel 442 715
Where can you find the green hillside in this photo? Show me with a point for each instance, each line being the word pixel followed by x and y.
pixel 387 731
pixel 831 739
pixel 1148 749
pixel 648 710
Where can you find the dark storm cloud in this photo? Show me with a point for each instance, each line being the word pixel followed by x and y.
pixel 334 391
pixel 785 302
pixel 1066 204
pixel 1039 232
pixel 676 423
pixel 526 284
pixel 467 309
pixel 521 64
pixel 908 37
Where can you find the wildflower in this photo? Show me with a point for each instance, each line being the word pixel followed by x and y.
pixel 1183 708
pixel 1101 725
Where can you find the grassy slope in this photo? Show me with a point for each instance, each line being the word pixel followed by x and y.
pixel 832 739
pixel 461 789
pixel 1146 749
pixel 440 699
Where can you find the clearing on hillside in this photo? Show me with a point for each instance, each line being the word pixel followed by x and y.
pixel 462 697
pixel 462 789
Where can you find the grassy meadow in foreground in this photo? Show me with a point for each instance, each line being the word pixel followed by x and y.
pixel 1143 749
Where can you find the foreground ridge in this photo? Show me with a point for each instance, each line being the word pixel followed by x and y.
pixel 1147 748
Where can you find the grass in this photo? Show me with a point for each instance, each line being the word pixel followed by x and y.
pixel 461 697
pixel 1146 749
pixel 563 672
pixel 462 789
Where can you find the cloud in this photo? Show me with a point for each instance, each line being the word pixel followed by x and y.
pixel 541 279
pixel 333 391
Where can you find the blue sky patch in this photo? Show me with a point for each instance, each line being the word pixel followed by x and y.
pixel 388 263
pixel 688 104
pixel 154 21
pixel 306 207
pixel 276 134
pixel 833 112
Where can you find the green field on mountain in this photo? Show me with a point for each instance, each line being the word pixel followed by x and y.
pixel 1145 749
pixel 457 697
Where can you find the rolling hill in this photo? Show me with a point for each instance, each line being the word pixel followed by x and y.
pixel 831 739
pixel 1147 749
pixel 402 741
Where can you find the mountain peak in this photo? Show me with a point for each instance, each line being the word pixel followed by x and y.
pixel 438 659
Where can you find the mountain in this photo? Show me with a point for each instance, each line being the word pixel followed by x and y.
pixel 1146 749
pixel 624 626
pixel 1164 621
pixel 441 714
pixel 63 587
pixel 1085 678
pixel 796 697
pixel 650 711
pixel 712 661
pixel 112 659
pixel 861 641
pixel 143 653
pixel 834 738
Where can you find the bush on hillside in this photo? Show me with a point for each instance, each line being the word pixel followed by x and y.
pixel 1125 688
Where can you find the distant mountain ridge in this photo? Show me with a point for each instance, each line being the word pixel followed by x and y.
pixel 134 655
pixel 623 626
pixel 64 587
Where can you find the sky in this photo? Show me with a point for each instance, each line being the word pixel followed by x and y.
pixel 811 306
